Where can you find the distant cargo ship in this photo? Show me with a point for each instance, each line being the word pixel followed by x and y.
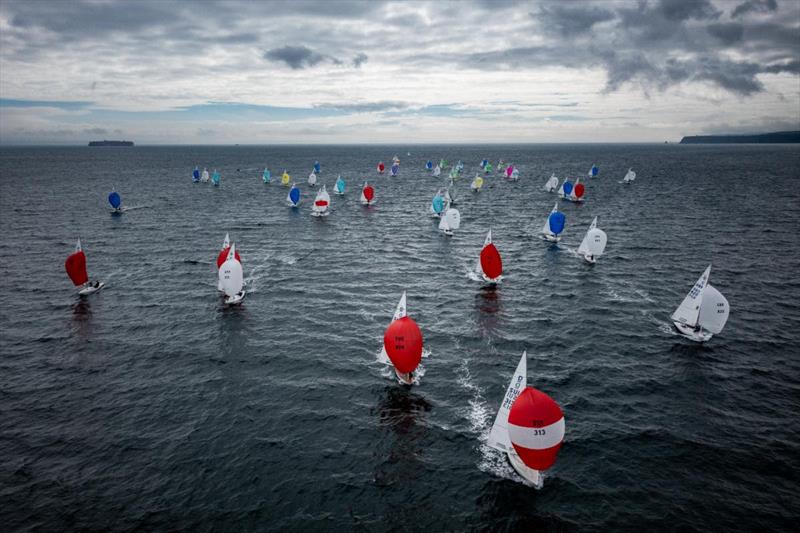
pixel 111 143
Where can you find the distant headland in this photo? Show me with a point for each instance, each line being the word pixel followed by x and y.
pixel 111 143
pixel 763 138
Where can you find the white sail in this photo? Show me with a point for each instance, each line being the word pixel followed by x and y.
pixel 443 225
pixel 453 218
pixel 594 223
pixel 205 177
pixel 447 199
pixel 689 310
pixel 714 310
pixel 561 189
pixel 78 246
pixel 399 313
pixel 551 183
pixel 312 179
pixel 230 274
pixel 498 437
pixel 596 240
pixel 546 227
pixel 630 176
pixel 227 242
pixel 486 242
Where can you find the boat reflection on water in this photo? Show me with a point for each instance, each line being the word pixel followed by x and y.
pixel 488 305
pixel 398 453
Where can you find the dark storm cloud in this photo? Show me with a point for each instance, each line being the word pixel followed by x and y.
pixel 755 6
pixel 296 57
pixel 727 32
pixel 680 10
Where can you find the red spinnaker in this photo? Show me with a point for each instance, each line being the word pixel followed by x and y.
pixel 369 193
pixel 491 264
pixel 223 256
pixel 403 344
pixel 76 268
pixel 579 190
pixel 536 428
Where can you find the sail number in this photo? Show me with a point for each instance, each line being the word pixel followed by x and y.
pixel 399 342
pixel 538 432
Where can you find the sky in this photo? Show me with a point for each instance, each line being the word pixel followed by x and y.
pixel 328 71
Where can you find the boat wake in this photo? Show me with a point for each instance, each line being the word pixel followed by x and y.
pixel 479 417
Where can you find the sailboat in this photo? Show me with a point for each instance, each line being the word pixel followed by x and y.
pixel 267 175
pixel 703 313
pixel 321 203
pixel 450 221
pixel 576 194
pixel 338 188
pixel 515 174
pixel 488 168
pixel 551 184
pixel 293 198
pixel 75 265
pixel 223 256
pixel 438 204
pixel 231 278
pixel 429 165
pixel 402 344
pixel 381 167
pixel 554 225
pixel 477 183
pixel 489 266
pixel 317 167
pixel 196 175
pixel 566 188
pixel 484 162
pixel 395 169
pixel 509 171
pixel 593 244
pixel 285 178
pixel 312 179
pixel 116 201
pixel 593 171
pixel 529 428
pixel 437 170
pixel 215 178
pixel 204 178
pixel 367 194
pixel 629 177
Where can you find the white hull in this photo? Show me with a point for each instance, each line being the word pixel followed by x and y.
pixel 235 299
pixel 339 193
pixel 590 260
pixel 403 379
pixel 368 203
pixel 574 200
pixel 690 333
pixel 86 291
pixel 487 279
pixel 290 204
pixel 320 213
pixel 532 478
pixel 551 238
pixel 448 232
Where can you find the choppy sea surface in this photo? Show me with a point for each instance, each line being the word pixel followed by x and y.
pixel 150 407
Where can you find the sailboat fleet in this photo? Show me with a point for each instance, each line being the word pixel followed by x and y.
pixel 529 426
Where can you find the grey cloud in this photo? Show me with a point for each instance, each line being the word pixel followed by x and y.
pixel 755 6
pixel 565 19
pixel 727 32
pixel 680 10
pixel 96 131
pixel 359 59
pixel 296 57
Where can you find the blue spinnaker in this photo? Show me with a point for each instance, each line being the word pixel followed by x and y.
pixel 595 170
pixel 429 164
pixel 317 167
pixel 484 162
pixel 438 204
pixel 294 195
pixel 114 199
pixel 567 188
pixel 340 185
pixel 195 174
pixel 557 221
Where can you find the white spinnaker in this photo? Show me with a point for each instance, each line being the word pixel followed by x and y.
pixel 714 310
pixel 231 276
pixel 498 437
pixel 322 195
pixel 596 240
pixel 630 176
pixel 453 218
pixel 689 310
pixel 437 170
pixel 312 179
pixel 399 313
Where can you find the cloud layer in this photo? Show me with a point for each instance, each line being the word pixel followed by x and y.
pixel 447 71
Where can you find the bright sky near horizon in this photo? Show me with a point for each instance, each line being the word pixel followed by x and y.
pixel 220 72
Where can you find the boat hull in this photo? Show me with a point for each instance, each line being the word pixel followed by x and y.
pixel 236 299
pixel 551 238
pixel 90 289
pixel 690 333
pixel 531 477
